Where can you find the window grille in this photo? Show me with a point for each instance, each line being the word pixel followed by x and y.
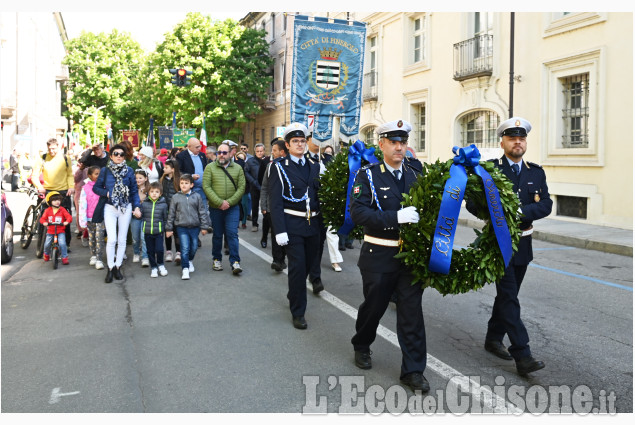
pixel 479 128
pixel 421 127
pixel 369 136
pixel 575 114
pixel 571 206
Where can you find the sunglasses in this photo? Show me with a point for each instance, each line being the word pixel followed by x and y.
pixel 118 153
pixel 222 152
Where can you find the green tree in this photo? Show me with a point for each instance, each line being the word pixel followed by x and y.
pixel 100 73
pixel 229 65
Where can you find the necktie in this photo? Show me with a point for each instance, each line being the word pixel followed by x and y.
pixel 516 169
pixel 397 174
pixel 301 162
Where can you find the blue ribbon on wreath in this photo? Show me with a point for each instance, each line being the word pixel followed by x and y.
pixel 453 193
pixel 356 153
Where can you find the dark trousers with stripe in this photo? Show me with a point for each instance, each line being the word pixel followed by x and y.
pixel 506 313
pixel 411 332
pixel 302 252
pixel 154 247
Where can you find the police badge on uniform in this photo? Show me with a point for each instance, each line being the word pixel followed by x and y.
pixel 536 198
pixel 357 190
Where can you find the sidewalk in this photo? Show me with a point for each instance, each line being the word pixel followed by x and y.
pixel 579 235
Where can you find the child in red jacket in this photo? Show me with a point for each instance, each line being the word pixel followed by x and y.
pixel 55 218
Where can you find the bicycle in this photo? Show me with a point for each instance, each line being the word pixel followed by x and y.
pixel 31 224
pixel 55 248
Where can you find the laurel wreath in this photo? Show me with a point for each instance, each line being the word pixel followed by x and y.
pixel 332 192
pixel 472 267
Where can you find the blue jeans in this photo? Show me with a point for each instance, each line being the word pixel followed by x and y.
pixel 138 241
pixel 61 241
pixel 225 222
pixel 244 203
pixel 188 238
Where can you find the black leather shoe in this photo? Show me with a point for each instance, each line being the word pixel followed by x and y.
pixel 263 244
pixel 363 360
pixel 416 381
pixel 116 272
pixel 317 286
pixel 498 349
pixel 349 245
pixel 528 364
pixel 276 266
pixel 299 322
pixel 226 251
pixel 341 248
pixel 108 276
pixel 284 265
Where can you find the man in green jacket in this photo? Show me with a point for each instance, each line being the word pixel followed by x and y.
pixel 224 186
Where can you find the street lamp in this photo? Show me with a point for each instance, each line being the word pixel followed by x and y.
pixel 94 114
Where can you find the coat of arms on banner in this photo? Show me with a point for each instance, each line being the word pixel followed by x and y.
pixel 328 78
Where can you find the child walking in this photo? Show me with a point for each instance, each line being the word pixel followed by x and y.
pixel 87 203
pixel 170 183
pixel 55 218
pixel 154 211
pixel 188 216
pixel 138 241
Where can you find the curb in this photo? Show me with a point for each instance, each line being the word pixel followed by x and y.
pixel 611 248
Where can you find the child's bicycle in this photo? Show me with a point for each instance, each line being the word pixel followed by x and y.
pixel 55 249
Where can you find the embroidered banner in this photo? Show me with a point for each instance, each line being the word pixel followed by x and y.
pixel 131 136
pixel 165 138
pixel 327 74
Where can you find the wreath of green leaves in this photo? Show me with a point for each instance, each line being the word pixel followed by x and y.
pixel 333 186
pixel 472 267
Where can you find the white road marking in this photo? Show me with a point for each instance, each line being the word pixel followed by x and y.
pixel 491 401
pixel 56 395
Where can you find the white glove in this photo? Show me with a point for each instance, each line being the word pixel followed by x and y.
pixel 408 215
pixel 282 239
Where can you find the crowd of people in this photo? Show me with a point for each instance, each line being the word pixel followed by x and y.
pixel 168 199
pixel 227 179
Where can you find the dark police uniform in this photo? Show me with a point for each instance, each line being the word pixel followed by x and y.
pixel 289 215
pixel 531 186
pixel 315 272
pixel 382 274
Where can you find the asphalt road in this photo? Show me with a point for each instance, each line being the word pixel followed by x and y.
pixel 221 343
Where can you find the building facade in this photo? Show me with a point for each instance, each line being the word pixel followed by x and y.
pixel 31 79
pixel 452 75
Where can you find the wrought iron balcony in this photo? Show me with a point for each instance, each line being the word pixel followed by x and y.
pixel 473 58
pixel 369 86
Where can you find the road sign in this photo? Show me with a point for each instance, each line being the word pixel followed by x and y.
pixel 280 131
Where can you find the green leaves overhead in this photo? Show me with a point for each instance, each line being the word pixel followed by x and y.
pixel 229 65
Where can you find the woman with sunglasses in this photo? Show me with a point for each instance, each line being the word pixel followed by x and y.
pixel 117 182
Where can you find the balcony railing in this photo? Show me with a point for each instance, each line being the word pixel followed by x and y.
pixel 369 86
pixel 473 57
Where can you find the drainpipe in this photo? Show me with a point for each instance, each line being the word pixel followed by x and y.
pixel 511 66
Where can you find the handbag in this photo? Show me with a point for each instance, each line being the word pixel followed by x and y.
pixel 98 214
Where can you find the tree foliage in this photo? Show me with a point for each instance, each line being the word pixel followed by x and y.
pixel 100 69
pixel 230 72
pixel 229 65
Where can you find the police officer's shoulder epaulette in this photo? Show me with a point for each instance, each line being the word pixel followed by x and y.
pixel 411 165
pixel 533 164
pixel 367 166
pixel 311 160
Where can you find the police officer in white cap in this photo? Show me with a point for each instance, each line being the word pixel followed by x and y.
pixel 376 204
pixel 530 184
pixel 295 214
